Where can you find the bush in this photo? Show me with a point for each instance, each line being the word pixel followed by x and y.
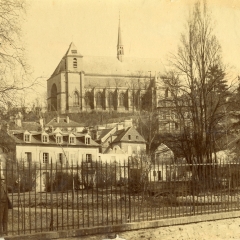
pixel 62 181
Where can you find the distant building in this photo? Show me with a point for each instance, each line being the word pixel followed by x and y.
pixel 64 124
pixel 120 141
pixel 58 147
pixel 84 83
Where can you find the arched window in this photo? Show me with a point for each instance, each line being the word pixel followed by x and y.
pixel 130 100
pixel 110 101
pixel 54 97
pixel 121 99
pixel 99 99
pixel 88 100
pixel 137 100
pixel 74 63
pixel 76 98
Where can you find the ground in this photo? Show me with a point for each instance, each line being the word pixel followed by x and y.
pixel 221 229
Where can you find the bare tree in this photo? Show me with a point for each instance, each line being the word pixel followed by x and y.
pixel 198 87
pixel 14 70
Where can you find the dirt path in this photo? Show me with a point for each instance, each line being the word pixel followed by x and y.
pixel 221 229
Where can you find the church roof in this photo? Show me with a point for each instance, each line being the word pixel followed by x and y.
pixel 137 67
pixel 97 65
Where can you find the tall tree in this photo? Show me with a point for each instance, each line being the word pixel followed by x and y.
pixel 198 86
pixel 14 71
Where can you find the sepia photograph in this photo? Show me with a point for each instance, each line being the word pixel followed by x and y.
pixel 119 119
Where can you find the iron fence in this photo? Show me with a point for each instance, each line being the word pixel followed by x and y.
pixel 50 197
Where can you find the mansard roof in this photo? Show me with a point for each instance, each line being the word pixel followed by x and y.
pixel 17 136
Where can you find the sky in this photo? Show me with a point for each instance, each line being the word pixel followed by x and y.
pixel 150 29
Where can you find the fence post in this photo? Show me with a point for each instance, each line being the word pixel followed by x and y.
pixel 51 196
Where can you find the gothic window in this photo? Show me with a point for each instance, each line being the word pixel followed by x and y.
pixel 74 63
pixel 99 99
pixel 121 99
pixel 110 101
pixel 88 100
pixel 131 100
pixel 54 97
pixel 76 98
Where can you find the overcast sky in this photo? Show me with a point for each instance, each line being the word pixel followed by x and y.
pixel 150 29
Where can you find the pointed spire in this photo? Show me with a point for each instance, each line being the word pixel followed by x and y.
pixel 119 33
pixel 120 50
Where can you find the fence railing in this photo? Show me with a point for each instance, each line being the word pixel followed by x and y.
pixel 50 197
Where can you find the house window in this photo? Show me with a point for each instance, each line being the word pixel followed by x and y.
pixel 26 137
pixel 60 158
pixel 87 140
pixel 59 139
pixel 88 157
pixel 28 157
pixel 72 140
pixel 136 137
pixel 74 63
pixel 129 137
pixel 166 92
pixel 45 158
pixel 44 138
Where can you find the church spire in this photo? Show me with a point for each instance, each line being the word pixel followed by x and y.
pixel 120 50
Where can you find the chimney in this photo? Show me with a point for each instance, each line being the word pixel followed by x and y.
pixel 119 126
pixel 67 119
pixel 41 122
pixel 128 123
pixel 57 119
pixel 18 122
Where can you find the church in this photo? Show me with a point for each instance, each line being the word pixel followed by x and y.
pixel 89 83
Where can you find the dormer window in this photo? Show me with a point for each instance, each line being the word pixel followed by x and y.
pixel 129 137
pixel 44 138
pixel 87 140
pixel 72 140
pixel 59 139
pixel 27 137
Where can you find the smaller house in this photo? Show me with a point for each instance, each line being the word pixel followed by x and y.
pixel 120 142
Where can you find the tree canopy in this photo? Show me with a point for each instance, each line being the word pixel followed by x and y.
pixel 198 81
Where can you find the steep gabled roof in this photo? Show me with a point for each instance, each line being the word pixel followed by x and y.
pixel 72 49
pixel 122 136
pixel 104 65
